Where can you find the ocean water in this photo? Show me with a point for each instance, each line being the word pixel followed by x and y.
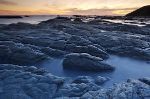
pixel 31 19
pixel 35 19
pixel 126 68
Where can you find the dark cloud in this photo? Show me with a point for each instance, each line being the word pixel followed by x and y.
pixel 6 2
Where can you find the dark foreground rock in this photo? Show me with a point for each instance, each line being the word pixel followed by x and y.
pixel 23 82
pixel 132 89
pixel 85 61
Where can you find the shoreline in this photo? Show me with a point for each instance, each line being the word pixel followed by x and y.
pixel 83 46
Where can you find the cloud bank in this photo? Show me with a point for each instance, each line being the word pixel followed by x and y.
pixel 70 7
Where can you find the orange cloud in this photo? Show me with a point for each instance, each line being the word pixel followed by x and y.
pixel 72 11
pixel 69 7
pixel 36 12
pixel 103 11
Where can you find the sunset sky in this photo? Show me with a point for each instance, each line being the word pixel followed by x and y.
pixel 69 7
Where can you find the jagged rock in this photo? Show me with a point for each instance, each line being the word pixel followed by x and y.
pixel 53 52
pixel 19 26
pixel 77 20
pixel 78 86
pixel 145 80
pixel 83 79
pixel 67 97
pixel 76 90
pixel 101 80
pixel 132 52
pixel 23 43
pixel 90 49
pixel 21 82
pixel 133 89
pixel 78 40
pixel 85 61
pixel 14 96
pixel 18 53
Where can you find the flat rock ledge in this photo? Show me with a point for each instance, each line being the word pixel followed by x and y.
pixel 22 82
pixel 84 61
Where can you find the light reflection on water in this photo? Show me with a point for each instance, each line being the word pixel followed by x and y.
pixel 129 22
pixel 125 68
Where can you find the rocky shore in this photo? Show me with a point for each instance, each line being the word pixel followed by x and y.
pixel 24 82
pixel 84 45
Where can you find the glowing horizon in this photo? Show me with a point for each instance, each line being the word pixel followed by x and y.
pixel 70 7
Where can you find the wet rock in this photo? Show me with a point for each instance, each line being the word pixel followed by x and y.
pixel 83 79
pixel 53 52
pixel 101 80
pixel 145 80
pixel 24 83
pixel 90 49
pixel 76 90
pixel 78 86
pixel 19 53
pixel 67 97
pixel 133 89
pixel 132 52
pixel 14 96
pixel 24 43
pixel 49 78
pixel 19 26
pixel 77 20
pixel 78 40
pixel 85 61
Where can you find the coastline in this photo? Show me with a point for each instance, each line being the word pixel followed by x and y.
pixel 63 37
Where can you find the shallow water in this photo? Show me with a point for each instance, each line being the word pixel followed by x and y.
pixel 129 22
pixel 125 68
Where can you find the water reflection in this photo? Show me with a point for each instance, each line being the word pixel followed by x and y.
pixel 125 68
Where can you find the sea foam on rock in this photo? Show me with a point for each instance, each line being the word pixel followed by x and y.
pixel 84 61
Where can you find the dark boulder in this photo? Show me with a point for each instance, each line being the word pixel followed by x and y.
pixel 84 61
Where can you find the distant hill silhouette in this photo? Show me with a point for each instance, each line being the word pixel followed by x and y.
pixel 141 12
